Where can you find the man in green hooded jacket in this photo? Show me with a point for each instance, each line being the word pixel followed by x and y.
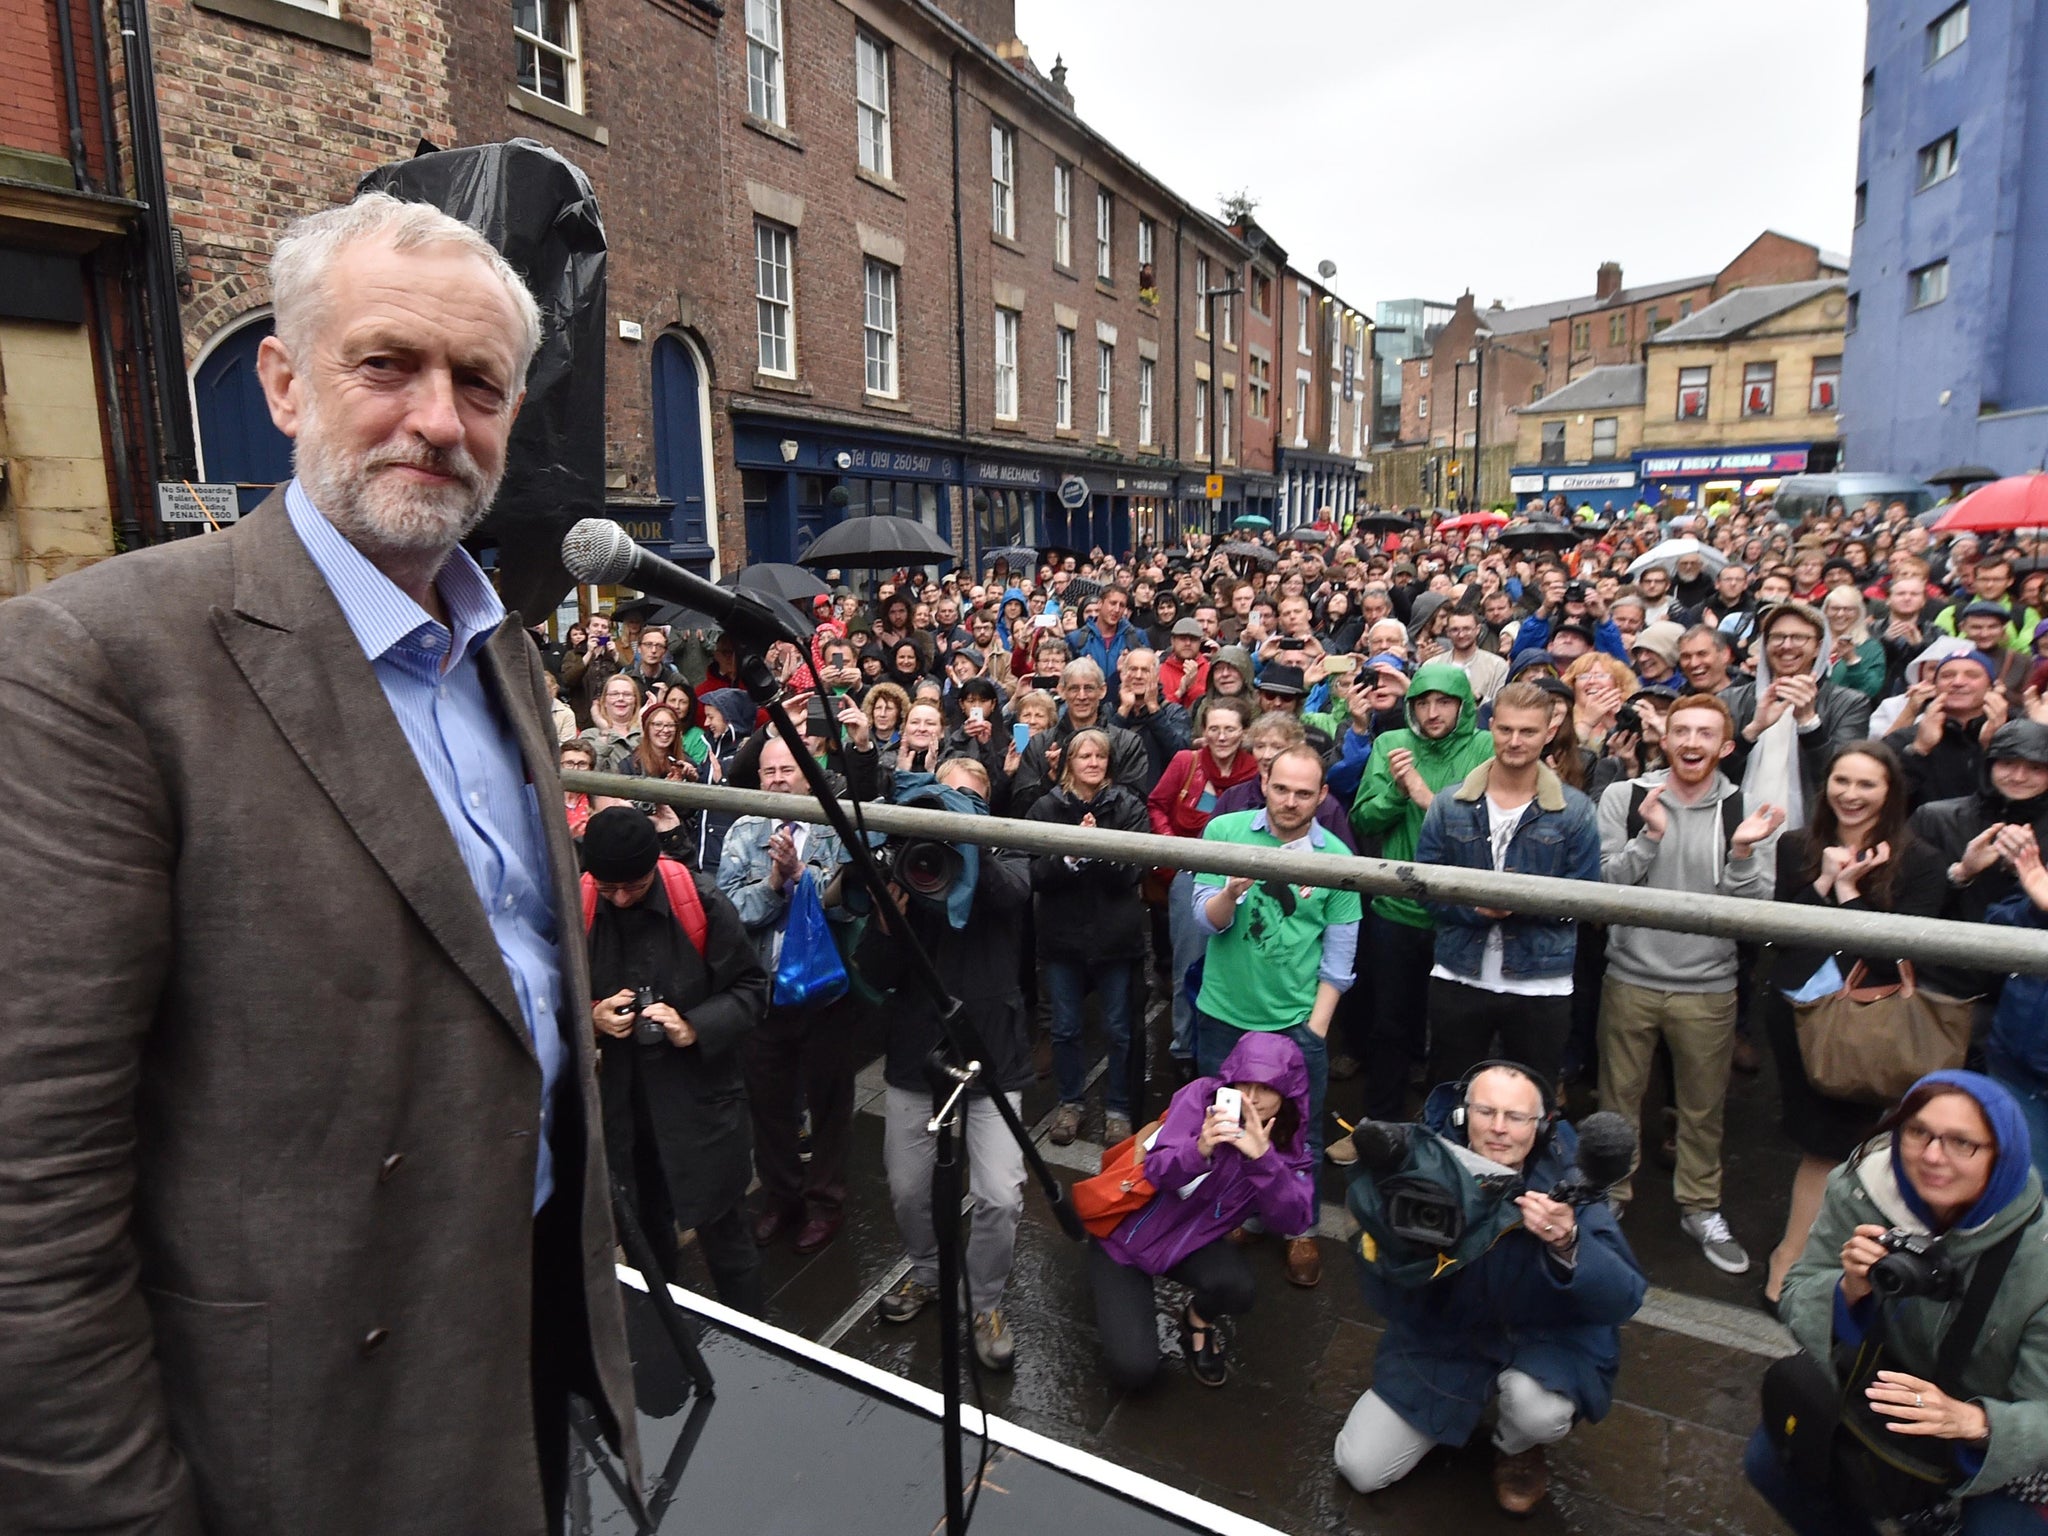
pixel 1442 744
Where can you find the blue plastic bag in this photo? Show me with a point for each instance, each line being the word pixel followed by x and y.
pixel 809 970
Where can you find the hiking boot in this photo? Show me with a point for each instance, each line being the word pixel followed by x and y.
pixel 1710 1230
pixel 993 1345
pixel 1115 1128
pixel 1343 1152
pixel 1066 1125
pixel 1206 1362
pixel 909 1297
pixel 1520 1481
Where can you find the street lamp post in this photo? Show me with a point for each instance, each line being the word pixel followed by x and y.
pixel 1209 298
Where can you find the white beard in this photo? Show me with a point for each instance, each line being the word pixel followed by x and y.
pixel 383 516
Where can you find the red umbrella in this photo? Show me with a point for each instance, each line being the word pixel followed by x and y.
pixel 1471 520
pixel 2018 502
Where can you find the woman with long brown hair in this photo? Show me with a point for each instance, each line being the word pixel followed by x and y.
pixel 1857 854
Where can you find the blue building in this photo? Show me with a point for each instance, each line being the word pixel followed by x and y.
pixel 1946 360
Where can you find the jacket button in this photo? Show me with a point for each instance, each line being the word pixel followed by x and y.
pixel 374 1338
pixel 389 1167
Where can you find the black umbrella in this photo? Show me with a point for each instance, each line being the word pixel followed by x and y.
pixel 771 578
pixel 640 610
pixel 1255 552
pixel 1962 474
pixel 875 542
pixel 1306 535
pixel 1547 534
pixel 1016 554
pixel 1384 522
pixel 1080 590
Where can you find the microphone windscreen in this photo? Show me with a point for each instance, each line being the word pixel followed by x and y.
pixel 598 552
pixel 1607 1148
pixel 1382 1145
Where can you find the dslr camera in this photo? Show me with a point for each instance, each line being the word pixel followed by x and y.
pixel 1913 1266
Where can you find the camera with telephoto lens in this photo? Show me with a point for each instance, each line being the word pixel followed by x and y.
pixel 923 868
pixel 1913 1266
pixel 647 1031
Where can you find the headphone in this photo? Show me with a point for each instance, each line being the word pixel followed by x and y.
pixel 1543 1125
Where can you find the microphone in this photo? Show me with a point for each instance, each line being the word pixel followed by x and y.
pixel 598 552
pixel 1607 1154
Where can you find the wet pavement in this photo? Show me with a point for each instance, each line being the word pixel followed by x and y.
pixel 1667 1459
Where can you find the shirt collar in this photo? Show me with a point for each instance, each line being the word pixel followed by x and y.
pixel 1315 833
pixel 381 616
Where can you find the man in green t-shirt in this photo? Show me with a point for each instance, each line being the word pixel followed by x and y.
pixel 1278 956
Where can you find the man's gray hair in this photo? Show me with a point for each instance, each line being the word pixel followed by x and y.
pixel 1081 669
pixel 306 250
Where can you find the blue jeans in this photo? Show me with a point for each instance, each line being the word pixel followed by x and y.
pixel 1189 942
pixel 1214 1040
pixel 1812 1511
pixel 1066 987
pixel 2030 1091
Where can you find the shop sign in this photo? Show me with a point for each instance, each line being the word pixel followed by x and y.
pixel 1525 485
pixel 1596 480
pixel 1073 493
pixel 1148 485
pixel 1732 461
pixel 896 461
pixel 645 525
pixel 1027 475
pixel 1350 372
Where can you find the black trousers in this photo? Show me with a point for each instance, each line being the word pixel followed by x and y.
pixel 1219 1275
pixel 1398 959
pixel 807 1054
pixel 560 1362
pixel 726 1240
pixel 1464 1023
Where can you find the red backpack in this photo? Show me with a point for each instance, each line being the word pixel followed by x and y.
pixel 683 901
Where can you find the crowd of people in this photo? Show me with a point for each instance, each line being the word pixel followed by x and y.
pixel 1847 713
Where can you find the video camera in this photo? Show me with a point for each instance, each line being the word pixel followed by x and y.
pixel 926 869
pixel 1427 1204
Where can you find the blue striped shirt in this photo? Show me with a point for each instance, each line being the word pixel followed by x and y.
pixel 471 763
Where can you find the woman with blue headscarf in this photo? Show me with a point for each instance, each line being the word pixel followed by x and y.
pixel 1951 1163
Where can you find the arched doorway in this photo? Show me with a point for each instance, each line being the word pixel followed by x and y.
pixel 238 442
pixel 682 448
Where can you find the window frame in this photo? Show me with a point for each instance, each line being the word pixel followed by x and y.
pixel 1550 449
pixel 865 111
pixel 1105 235
pixel 1759 376
pixel 1063 378
pixel 1148 239
pixel 1701 379
pixel 1302 381
pixel 1936 161
pixel 1201 419
pixel 1002 175
pixel 1226 335
pixel 1617 329
pixel 1862 207
pixel 1009 324
pixel 770 78
pixel 1304 343
pixel 1917 281
pixel 765 302
pixel 1201 291
pixel 1105 383
pixel 1612 434
pixel 1336 415
pixel 525 41
pixel 1062 213
pixel 1226 424
pixel 1958 34
pixel 1258 373
pixel 1147 378
pixel 891 354
pixel 1820 375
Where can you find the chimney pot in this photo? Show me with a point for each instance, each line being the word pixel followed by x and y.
pixel 1607 281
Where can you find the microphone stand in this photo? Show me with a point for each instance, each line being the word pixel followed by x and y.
pixel 954 1068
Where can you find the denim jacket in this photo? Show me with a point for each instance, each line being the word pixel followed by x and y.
pixel 1557 836
pixel 743 876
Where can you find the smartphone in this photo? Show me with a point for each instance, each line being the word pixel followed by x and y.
pixel 976 713
pixel 1339 666
pixel 1020 736
pixel 1291 643
pixel 1230 1103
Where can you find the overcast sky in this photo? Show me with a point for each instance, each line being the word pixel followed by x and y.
pixel 1508 146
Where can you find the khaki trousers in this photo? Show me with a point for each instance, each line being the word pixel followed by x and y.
pixel 1700 1029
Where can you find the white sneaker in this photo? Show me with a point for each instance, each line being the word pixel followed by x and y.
pixel 1710 1230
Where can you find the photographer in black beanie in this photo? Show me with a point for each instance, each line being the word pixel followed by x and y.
pixel 676 984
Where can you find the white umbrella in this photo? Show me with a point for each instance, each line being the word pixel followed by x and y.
pixel 1668 554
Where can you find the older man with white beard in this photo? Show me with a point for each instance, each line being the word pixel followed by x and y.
pixel 307 1191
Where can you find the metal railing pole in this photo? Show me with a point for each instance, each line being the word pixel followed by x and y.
pixel 1975 946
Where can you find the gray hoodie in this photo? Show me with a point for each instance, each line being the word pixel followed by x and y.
pixel 1692 855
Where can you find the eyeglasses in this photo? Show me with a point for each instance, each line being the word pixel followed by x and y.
pixel 1917 1138
pixel 1514 1119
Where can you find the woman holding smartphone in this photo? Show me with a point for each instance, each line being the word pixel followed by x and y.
pixel 1212 1165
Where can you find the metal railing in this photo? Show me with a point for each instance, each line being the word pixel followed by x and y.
pixel 1976 946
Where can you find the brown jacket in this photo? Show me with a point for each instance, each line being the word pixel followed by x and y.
pixel 268 1106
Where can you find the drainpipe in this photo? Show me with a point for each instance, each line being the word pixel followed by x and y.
pixel 960 313
pixel 164 337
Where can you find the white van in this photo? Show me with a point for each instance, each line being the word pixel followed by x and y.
pixel 1801 496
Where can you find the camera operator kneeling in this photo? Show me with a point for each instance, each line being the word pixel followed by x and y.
pixel 1920 1305
pixel 1212 1169
pixel 1536 1317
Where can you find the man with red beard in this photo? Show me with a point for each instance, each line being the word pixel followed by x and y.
pixel 306 1185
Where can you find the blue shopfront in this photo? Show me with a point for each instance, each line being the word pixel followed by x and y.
pixel 798 479
pixel 1704 476
pixel 1581 485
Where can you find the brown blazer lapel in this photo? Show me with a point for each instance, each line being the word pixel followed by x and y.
pixel 287 636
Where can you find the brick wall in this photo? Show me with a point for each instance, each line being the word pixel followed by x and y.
pixel 31 79
pixel 260 126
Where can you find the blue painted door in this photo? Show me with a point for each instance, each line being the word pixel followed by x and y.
pixel 241 444
pixel 679 467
